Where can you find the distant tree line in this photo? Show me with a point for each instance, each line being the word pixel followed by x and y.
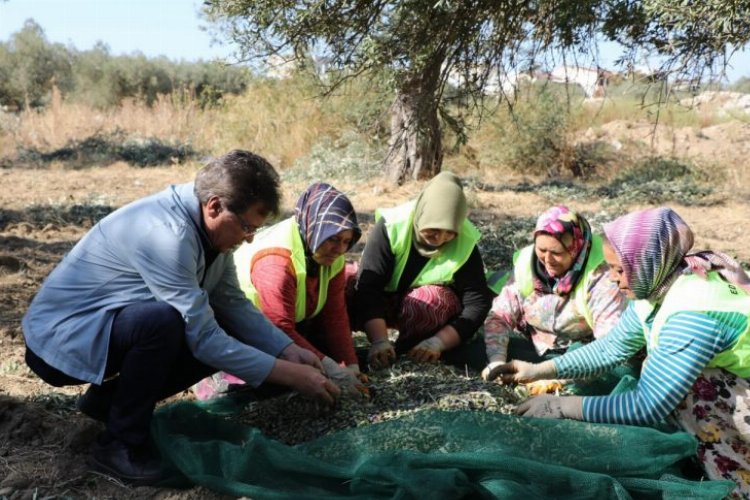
pixel 31 66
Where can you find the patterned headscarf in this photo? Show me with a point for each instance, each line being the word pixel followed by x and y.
pixel 652 246
pixel 558 222
pixel 323 211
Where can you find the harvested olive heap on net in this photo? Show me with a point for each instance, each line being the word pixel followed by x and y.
pixel 404 389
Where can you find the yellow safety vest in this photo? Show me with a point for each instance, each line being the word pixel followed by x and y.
pixel 439 269
pixel 285 235
pixel 694 293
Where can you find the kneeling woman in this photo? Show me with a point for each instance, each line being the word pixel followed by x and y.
pixel 557 295
pixel 293 272
pixel 692 313
pixel 422 273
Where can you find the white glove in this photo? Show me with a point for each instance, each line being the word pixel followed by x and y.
pixel 490 367
pixel 361 376
pixel 547 406
pixel 427 351
pixel 346 379
pixel 381 354
pixel 521 372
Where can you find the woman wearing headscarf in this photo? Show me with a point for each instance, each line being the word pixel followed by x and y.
pixel 691 311
pixel 293 272
pixel 557 294
pixel 421 273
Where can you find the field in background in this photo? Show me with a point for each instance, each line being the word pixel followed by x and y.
pixel 604 155
pixel 549 132
pixel 66 166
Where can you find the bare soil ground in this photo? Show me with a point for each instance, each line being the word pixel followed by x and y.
pixel 44 441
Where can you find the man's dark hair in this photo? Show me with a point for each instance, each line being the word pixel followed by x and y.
pixel 240 179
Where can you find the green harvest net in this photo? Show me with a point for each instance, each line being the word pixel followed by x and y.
pixel 435 453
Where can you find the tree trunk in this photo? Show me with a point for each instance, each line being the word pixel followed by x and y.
pixel 415 147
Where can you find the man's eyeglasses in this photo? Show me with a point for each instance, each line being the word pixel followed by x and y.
pixel 248 229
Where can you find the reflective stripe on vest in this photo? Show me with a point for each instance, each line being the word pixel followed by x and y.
pixel 693 293
pixel 284 235
pixel 523 275
pixel 439 269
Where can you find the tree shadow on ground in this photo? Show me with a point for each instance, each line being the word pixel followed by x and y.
pixel 40 216
pixel 103 149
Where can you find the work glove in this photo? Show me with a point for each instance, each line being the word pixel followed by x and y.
pixel 521 372
pixel 361 376
pixel 427 351
pixel 490 367
pixel 345 379
pixel 381 354
pixel 547 406
pixel 544 387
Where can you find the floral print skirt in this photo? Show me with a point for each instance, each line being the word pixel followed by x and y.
pixel 717 412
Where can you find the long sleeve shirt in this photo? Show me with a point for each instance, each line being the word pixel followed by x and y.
pixel 688 341
pixel 274 279
pixel 551 321
pixel 376 268
pixel 149 250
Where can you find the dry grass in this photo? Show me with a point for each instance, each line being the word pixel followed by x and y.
pixel 172 118
pixel 281 119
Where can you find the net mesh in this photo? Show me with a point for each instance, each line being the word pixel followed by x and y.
pixel 443 454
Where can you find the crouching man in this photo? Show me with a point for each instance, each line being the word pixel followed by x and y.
pixel 147 303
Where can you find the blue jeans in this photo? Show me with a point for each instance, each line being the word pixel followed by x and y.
pixel 148 360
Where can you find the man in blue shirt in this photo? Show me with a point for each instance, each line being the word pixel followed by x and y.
pixel 147 303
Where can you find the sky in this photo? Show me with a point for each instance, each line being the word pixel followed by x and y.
pixel 170 28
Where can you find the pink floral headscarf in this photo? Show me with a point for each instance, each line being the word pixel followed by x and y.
pixel 557 222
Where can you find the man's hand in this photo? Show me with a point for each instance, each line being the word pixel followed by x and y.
pixel 314 385
pixel 307 380
pixel 381 354
pixel 552 407
pixel 345 379
pixel 521 372
pixel 361 376
pixel 297 354
pixel 427 351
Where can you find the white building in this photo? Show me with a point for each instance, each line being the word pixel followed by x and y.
pixel 280 67
pixel 593 81
pixel 498 81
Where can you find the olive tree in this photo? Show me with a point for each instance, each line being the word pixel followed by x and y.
pixel 420 43
pixel 30 67
pixel 690 39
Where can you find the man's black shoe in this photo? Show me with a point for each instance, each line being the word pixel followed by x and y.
pixel 96 401
pixel 134 465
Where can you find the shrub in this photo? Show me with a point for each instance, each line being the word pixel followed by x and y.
pixel 349 158
pixel 539 140
pixel 656 180
pixel 535 139
pixel 741 85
